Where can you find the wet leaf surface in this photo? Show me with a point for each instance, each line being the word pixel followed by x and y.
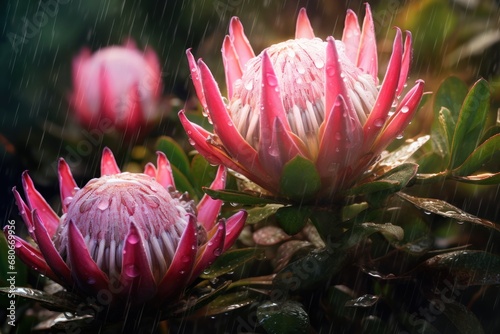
pixel 283 317
pixel 299 179
pixel 363 301
pixel 231 260
pixel 245 198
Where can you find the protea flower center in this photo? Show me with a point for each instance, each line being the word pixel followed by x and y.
pixel 299 65
pixel 104 209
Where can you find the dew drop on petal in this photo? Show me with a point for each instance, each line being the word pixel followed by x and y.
pixel 249 85
pixel 67 201
pixel 379 122
pixel 131 270
pixel 272 80
pixel 301 70
pixel 185 258
pixel 217 251
pixel 405 109
pixel 338 135
pixel 133 239
pixel 330 71
pixel 103 205
pixel 319 63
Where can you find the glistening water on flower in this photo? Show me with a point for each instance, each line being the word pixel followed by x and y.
pixel 130 234
pixel 306 117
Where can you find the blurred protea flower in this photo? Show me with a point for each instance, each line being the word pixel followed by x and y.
pixel 130 236
pixel 117 86
pixel 304 99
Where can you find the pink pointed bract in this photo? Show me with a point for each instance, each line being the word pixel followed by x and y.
pixel 117 86
pixel 321 100
pixel 131 236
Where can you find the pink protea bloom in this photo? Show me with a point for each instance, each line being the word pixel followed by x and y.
pixel 320 100
pixel 128 236
pixel 117 86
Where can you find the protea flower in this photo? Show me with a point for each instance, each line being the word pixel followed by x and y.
pixel 128 236
pixel 317 100
pixel 117 86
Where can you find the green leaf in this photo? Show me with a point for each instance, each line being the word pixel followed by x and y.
pixel 404 152
pixel 292 219
pixel 483 154
pixel 283 317
pixel 231 260
pixel 471 122
pixel 466 267
pixel 246 198
pixel 300 179
pixel 389 231
pixel 230 301
pixel 174 153
pixel 259 214
pixel 447 124
pixel 202 173
pixel 182 184
pixel 450 95
pixel 447 210
pixel 394 180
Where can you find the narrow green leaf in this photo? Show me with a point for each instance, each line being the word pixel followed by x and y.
pixel 300 179
pixel 447 210
pixel 483 154
pixel 245 198
pixel 229 261
pixel 292 219
pixel 174 153
pixel 471 122
pixel 481 179
pixel 447 123
pixel 283 317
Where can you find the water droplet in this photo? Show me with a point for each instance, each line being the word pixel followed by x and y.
pixel 319 63
pixel 182 272
pixel 330 71
pixel 272 80
pixel 133 239
pixel 217 251
pixel 249 85
pixel 301 70
pixel 405 109
pixel 400 136
pixel 131 270
pixel 191 142
pixel 67 201
pixel 427 212
pixel 185 259
pixel 103 205
pixel 338 135
pixel 273 151
pixel 379 122
pixel 153 201
pixel 299 81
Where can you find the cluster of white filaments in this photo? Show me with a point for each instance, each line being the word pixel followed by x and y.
pixel 300 69
pixel 104 209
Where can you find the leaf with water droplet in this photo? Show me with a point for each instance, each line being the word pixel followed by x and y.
pixel 393 181
pixel 258 214
pixel 63 301
pixel 404 152
pixel 230 301
pixel 447 210
pixel 231 260
pixel 465 268
pixel 283 317
pixel 202 173
pixel 363 301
